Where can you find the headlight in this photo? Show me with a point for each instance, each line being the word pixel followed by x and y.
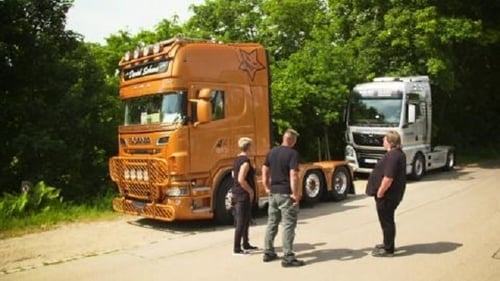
pixel 139 174
pixel 349 151
pixel 177 191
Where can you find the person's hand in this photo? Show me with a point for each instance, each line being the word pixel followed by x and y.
pixel 380 194
pixel 268 191
pixel 252 195
pixel 296 199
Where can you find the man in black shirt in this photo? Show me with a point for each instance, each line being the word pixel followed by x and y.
pixel 280 176
pixel 387 183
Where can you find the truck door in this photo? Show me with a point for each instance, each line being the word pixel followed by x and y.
pixel 416 130
pixel 210 142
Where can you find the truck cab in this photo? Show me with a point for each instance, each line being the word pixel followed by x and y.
pixel 403 104
pixel 187 102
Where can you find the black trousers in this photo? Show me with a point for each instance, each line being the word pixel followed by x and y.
pixel 386 208
pixel 242 216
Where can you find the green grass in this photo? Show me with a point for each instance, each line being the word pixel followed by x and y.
pixel 52 218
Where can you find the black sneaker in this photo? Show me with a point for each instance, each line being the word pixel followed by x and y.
pixel 239 252
pixel 292 262
pixel 249 247
pixel 269 257
pixel 382 253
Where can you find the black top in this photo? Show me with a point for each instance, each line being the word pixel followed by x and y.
pixel 237 190
pixel 392 165
pixel 281 159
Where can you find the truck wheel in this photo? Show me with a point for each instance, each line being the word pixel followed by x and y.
pixel 223 202
pixel 312 187
pixel 418 167
pixel 341 183
pixel 450 161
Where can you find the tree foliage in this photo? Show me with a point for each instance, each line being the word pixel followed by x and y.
pixel 55 109
pixel 59 94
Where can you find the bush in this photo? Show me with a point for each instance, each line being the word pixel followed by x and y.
pixel 37 199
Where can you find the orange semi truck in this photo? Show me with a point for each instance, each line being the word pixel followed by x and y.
pixel 187 102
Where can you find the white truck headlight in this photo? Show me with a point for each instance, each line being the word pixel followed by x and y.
pixel 349 151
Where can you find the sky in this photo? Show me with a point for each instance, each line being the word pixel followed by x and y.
pixel 97 19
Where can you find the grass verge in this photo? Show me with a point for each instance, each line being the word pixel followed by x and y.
pixel 50 219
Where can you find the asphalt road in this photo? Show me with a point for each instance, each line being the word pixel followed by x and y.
pixel 448 228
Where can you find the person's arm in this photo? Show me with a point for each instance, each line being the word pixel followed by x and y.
pixel 265 178
pixel 296 193
pixel 389 173
pixel 242 174
pixel 384 186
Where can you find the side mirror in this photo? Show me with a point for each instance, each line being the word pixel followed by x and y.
pixel 203 111
pixel 411 113
pixel 202 107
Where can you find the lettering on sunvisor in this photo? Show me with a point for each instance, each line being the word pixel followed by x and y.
pixel 145 70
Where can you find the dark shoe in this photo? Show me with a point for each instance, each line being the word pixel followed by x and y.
pixel 249 247
pixel 240 252
pixel 270 257
pixel 379 246
pixel 382 253
pixel 291 262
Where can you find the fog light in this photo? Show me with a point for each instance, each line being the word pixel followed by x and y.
pixel 177 191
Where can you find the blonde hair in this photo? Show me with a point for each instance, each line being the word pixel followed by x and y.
pixel 244 143
pixel 393 138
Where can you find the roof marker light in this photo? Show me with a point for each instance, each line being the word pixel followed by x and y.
pixel 156 48
pixel 127 56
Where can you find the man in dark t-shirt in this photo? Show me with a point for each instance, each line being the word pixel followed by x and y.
pixel 387 183
pixel 280 176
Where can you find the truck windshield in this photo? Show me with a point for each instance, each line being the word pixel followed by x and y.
pixel 374 111
pixel 165 108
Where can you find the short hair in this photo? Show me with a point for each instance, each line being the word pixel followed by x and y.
pixel 291 132
pixel 244 143
pixel 393 138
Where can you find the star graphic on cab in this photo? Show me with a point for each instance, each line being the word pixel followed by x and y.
pixel 250 63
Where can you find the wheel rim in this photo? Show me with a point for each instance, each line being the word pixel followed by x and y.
pixel 228 200
pixel 312 185
pixel 340 183
pixel 451 160
pixel 419 166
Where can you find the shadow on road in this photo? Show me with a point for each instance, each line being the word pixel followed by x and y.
pixel 427 248
pixel 259 218
pixel 339 254
pixel 185 227
pixel 343 254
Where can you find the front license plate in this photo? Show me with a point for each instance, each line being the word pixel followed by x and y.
pixel 371 161
pixel 138 205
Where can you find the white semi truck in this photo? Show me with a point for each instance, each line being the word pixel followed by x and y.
pixel 402 104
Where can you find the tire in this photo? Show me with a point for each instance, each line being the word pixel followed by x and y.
pixel 418 167
pixel 341 183
pixel 450 161
pixel 313 187
pixel 223 202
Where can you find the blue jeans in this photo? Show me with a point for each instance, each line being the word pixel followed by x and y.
pixel 281 208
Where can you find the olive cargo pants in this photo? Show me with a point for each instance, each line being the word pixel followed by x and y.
pixel 281 208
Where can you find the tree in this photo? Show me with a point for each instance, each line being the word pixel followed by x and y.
pixel 53 99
